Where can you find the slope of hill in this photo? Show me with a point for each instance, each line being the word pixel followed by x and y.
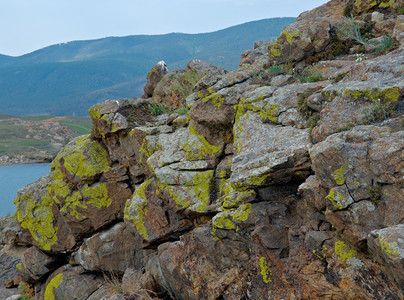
pixel 66 79
pixel 37 139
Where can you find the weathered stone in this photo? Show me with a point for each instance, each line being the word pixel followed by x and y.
pixel 154 76
pixel 315 239
pixel 398 31
pixel 69 282
pixel 377 16
pixel 207 274
pixel 147 215
pixel 251 55
pixel 267 153
pixel 113 250
pixel 387 244
pixel 308 35
pixel 352 180
pixel 282 80
pixel 10 261
pixel 314 192
pixel 37 264
pixel 56 214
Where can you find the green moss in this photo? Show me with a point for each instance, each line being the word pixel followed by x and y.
pixel 390 248
pixel 344 251
pixel 265 270
pixel 339 175
pixel 197 147
pixel 19 266
pixel 53 284
pixel 136 209
pixel 85 158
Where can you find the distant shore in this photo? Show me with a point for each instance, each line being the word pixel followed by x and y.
pixel 7 161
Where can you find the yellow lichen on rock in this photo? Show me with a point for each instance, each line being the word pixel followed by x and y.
pixel 344 251
pixel 136 209
pixel 83 158
pixel 265 270
pixel 38 219
pixel 53 284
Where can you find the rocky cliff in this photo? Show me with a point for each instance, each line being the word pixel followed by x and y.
pixel 283 179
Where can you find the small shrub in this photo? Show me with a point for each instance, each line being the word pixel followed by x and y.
pixel 312 78
pixel 380 111
pixel 113 282
pixel 349 28
pixel 303 108
pixel 26 291
pixel 157 109
pixel 376 194
pixel 275 70
pixel 181 111
pixel 384 45
pixel 313 120
pixel 288 68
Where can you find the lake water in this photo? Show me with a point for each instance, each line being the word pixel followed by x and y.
pixel 14 177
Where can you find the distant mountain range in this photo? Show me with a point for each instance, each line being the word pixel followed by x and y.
pixel 66 79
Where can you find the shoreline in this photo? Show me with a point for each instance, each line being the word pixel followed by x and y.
pixel 23 161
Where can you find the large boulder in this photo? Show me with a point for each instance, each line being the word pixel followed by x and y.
pixel 113 250
pixel 309 35
pixel 69 203
pixel 362 168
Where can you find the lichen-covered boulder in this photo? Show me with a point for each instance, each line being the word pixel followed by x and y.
pixel 151 217
pixel 61 207
pixel 364 194
pixel 388 246
pixel 69 282
pixel 309 35
pixel 153 77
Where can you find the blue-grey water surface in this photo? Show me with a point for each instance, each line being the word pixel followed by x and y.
pixel 15 177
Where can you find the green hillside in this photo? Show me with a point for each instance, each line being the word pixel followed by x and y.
pixel 66 79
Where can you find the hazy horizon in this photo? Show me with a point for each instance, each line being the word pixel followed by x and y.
pixel 35 25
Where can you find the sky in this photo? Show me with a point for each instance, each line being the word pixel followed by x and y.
pixel 28 25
